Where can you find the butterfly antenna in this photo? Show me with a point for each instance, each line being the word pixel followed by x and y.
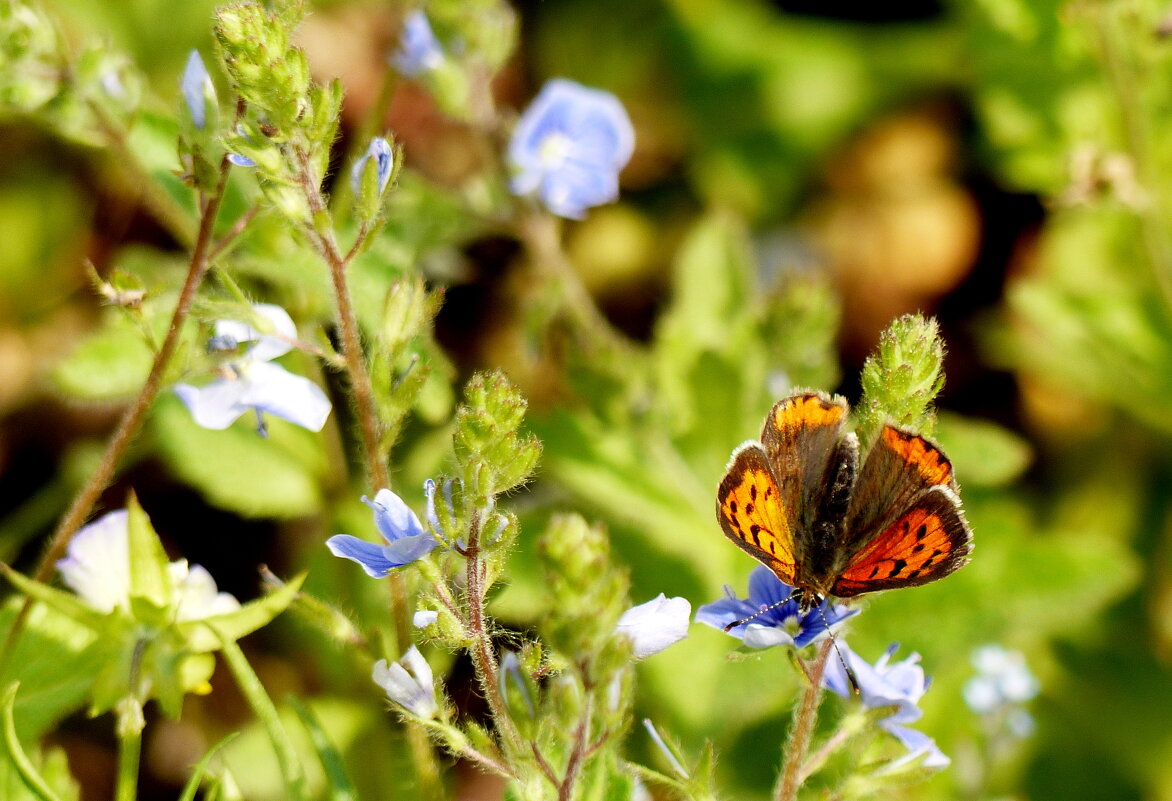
pixel 760 612
pixel 850 674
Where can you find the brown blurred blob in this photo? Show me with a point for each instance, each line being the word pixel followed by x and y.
pixel 896 226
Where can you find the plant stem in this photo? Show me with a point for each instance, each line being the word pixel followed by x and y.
pixel 574 763
pixel 426 768
pixel 483 657
pixel 540 234
pixel 266 712
pixel 132 418
pixel 805 716
pixel 129 752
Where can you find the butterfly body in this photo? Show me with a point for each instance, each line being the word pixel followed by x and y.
pixel 830 523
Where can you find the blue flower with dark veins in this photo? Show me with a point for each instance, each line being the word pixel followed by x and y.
pixel 406 538
pixel 782 621
pixel 569 147
pixel 419 51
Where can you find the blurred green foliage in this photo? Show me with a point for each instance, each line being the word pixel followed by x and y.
pixel 743 112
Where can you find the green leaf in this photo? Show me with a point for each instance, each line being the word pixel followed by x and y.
pixel 110 365
pixel 55 661
pixel 201 768
pixel 200 636
pixel 15 752
pixel 342 789
pixel 65 603
pixel 150 579
pixel 236 469
pixel 984 453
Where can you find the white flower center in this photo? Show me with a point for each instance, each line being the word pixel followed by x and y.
pixel 555 149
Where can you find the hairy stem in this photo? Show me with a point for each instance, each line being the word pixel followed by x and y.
pixel 132 418
pixel 422 754
pixel 805 717
pixel 483 657
pixel 574 763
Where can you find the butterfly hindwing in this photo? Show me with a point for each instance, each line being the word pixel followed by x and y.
pixel 753 514
pixel 927 541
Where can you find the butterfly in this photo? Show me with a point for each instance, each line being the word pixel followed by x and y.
pixel 799 502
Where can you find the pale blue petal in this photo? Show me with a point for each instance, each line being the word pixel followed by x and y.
pixel 241 161
pixel 215 406
pixel 194 86
pixel 268 346
pixel 569 147
pixel 918 745
pixel 274 390
pixel 419 51
pixel 758 636
pixel 371 556
pixel 393 516
pixel 407 549
pixel 379 150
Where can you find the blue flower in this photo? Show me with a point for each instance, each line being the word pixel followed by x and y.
pixel 406 539
pixel 782 624
pixel 898 685
pixel 384 158
pixel 197 89
pixel 1002 687
pixel 569 147
pixel 419 51
pixel 241 161
pixel 251 382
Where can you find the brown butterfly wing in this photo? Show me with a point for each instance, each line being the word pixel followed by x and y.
pixel 904 526
pixel 801 437
pixel 752 513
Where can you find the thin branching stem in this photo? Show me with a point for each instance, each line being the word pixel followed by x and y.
pixel 132 419
pixel 361 389
pixel 578 754
pixel 805 716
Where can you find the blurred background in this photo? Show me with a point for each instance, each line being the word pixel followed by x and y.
pixel 804 173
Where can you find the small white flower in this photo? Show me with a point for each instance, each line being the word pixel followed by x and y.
pixel 424 618
pixel 656 624
pixel 97 564
pixel 97 568
pixel 408 683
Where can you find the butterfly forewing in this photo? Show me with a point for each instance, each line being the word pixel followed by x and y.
pixel 926 542
pixel 752 513
pixel 899 467
pixel 801 435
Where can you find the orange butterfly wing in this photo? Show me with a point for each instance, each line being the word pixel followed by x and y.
pixel 752 513
pixel 925 543
pixel 905 526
